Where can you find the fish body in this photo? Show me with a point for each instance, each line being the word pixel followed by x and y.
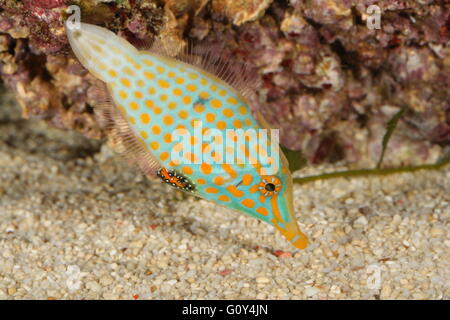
pixel 191 128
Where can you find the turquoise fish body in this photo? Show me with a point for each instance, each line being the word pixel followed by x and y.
pixel 192 129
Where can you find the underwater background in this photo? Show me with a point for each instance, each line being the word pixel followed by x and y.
pixel 77 222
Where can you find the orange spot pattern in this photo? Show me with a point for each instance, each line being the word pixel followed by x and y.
pixel 156 95
pixel 228 113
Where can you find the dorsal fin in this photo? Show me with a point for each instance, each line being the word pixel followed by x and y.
pixel 241 76
pixel 124 140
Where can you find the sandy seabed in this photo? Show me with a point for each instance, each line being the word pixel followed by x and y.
pixel 77 223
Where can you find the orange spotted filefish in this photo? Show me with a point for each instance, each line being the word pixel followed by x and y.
pixel 151 97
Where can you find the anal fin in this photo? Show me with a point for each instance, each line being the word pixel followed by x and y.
pixel 120 134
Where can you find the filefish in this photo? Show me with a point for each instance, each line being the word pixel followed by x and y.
pixel 152 96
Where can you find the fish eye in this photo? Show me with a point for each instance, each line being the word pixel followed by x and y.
pixel 269 186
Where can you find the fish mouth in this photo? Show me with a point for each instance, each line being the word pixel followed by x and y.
pixel 285 221
pixel 292 233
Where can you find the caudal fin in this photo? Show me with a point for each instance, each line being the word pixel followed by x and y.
pixel 98 49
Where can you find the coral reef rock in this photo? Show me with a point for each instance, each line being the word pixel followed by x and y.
pixel 330 81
